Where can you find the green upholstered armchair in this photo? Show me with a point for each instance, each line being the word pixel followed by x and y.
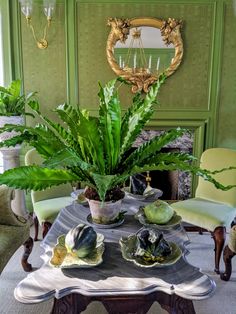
pixel 213 209
pixel 47 203
pixel 14 231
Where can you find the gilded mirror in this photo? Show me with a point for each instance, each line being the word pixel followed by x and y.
pixel 140 49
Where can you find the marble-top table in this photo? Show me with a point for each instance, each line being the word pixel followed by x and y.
pixel 115 280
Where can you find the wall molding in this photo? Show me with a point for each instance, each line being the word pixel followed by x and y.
pixel 71 51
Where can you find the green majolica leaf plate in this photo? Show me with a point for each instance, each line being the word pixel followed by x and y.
pixel 63 259
pixel 140 215
pixel 129 245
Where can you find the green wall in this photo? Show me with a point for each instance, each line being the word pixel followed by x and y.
pixel 226 126
pixel 200 95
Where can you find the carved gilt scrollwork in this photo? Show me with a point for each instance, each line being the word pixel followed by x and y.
pixel 141 79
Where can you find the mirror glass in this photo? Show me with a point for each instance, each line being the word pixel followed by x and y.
pixel 156 55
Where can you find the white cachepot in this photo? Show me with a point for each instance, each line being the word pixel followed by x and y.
pixel 18 120
pixel 104 212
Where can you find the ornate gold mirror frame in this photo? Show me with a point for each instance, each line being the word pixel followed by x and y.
pixel 142 78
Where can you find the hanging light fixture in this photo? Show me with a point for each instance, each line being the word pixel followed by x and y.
pixel 135 59
pixel 48 9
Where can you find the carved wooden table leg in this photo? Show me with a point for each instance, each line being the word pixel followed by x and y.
pixel 28 246
pixel 70 304
pixel 46 226
pixel 76 303
pixel 121 305
pixel 228 255
pixel 36 227
pixel 175 304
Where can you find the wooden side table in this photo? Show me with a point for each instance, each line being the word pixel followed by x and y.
pixel 76 303
pixel 120 285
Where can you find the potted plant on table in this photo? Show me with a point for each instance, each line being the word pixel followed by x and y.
pixel 12 106
pixel 97 150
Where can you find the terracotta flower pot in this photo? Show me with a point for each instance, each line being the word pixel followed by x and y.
pixel 104 212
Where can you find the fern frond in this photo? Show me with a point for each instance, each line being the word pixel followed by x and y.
pixel 17 140
pixel 153 146
pixel 182 166
pixel 110 124
pixel 137 116
pixel 93 146
pixel 103 183
pixel 66 158
pixel 36 177
pixel 70 116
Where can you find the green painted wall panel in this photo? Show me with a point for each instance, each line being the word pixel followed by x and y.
pixel 45 70
pixel 192 78
pixel 226 129
pixel 202 89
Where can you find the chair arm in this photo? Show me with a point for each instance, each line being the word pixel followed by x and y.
pixel 7 216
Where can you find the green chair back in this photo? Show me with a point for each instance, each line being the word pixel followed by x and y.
pixel 216 159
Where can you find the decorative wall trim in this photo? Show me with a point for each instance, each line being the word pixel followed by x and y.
pixel 16 41
pixel 71 51
pixel 217 52
pixel 11 36
pixel 6 35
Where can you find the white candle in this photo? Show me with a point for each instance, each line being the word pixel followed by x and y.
pixel 120 62
pixel 158 63
pixel 135 61
pixel 150 62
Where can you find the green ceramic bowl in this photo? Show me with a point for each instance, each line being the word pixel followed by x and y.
pixel 129 245
pixel 140 215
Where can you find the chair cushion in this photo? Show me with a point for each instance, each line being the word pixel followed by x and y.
pixel 47 210
pixel 205 213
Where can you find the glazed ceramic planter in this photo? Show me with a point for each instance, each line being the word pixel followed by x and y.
pixel 18 120
pixel 104 212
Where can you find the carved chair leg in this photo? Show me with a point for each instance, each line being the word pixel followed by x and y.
pixel 36 227
pixel 46 226
pixel 218 236
pixel 228 255
pixel 233 223
pixel 28 246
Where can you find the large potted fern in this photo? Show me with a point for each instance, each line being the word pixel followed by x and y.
pixel 97 150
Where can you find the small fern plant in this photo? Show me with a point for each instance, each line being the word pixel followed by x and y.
pixel 96 150
pixel 12 103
